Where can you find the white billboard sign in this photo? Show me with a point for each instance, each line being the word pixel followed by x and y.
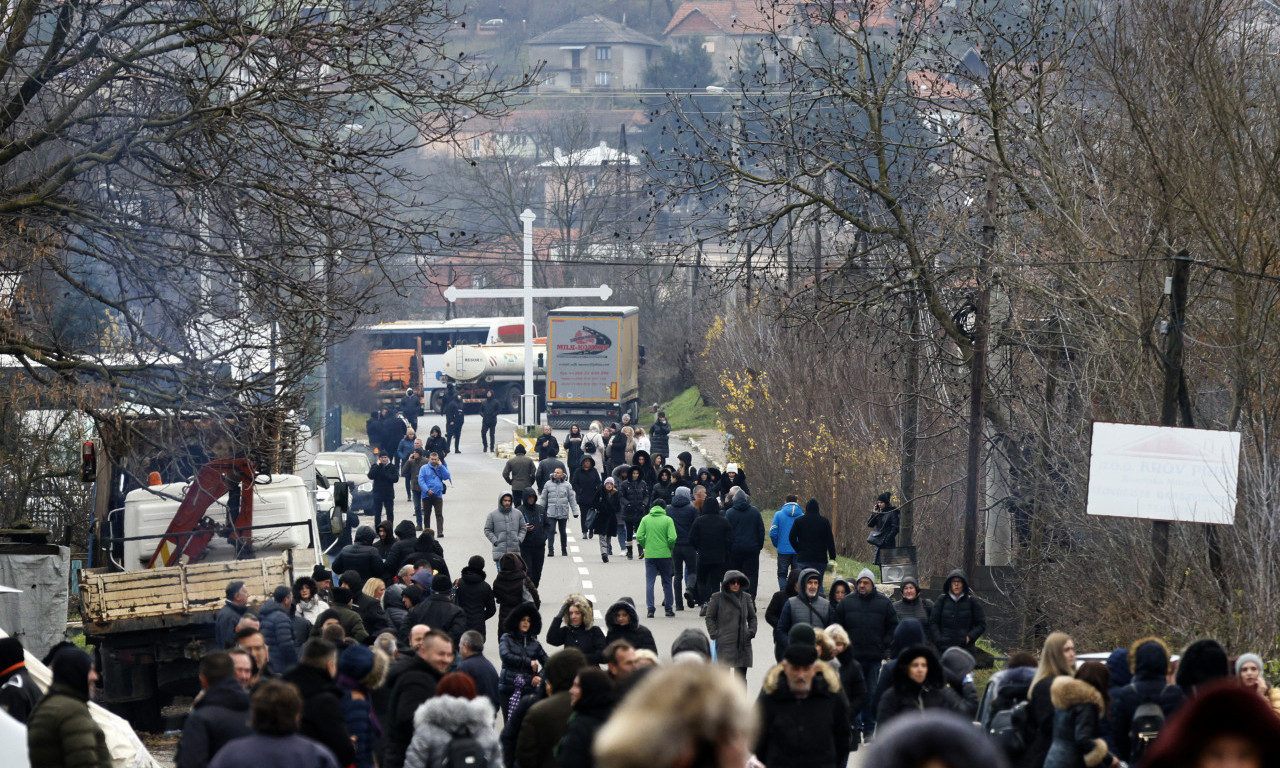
pixel 1163 473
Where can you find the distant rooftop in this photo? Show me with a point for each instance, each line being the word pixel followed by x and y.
pixel 593 30
pixel 599 155
pixel 731 17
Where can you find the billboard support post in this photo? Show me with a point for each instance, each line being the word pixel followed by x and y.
pixel 529 401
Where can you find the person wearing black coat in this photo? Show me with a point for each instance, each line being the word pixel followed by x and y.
pixel 438 612
pixel 277 629
pixel 401 552
pixel 385 478
pixel 453 419
pixel 489 411
pixel 546 446
pixel 608 506
pixel 533 548
pixel 1149 660
pixel 587 486
pixel 915 689
pixel 411 684
pixel 957 619
pixel 869 619
pixel 436 444
pixel 711 537
pixel 812 539
pixel 617 447
pixel 748 540
pixel 384 540
pixel 474 595
pixel 590 711
pixel 885 521
pixel 361 557
pixel 660 435
pixel 663 489
pixel 803 731
pixel 635 504
pixel 573 449
pixel 512 587
pixel 219 714
pixel 322 716
pixel 773 613
pixel 624 624
pixel 1078 711
pixel 574 627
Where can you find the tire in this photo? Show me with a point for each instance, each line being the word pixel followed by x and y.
pixel 511 398
pixel 437 398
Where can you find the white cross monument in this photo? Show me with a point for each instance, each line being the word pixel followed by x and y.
pixel 529 402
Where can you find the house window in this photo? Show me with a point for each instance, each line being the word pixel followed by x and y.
pixel 475 144
pixel 604 53
pixel 602 78
pixel 551 80
pixel 709 46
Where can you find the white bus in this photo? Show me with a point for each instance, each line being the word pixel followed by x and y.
pixel 431 339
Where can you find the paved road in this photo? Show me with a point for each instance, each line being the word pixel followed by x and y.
pixel 477 485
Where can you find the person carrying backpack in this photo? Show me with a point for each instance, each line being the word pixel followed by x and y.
pixel 1141 708
pixel 454 728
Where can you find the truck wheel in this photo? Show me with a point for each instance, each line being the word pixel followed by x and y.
pixel 512 398
pixel 437 400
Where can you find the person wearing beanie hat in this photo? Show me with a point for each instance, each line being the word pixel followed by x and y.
pixel 957 669
pixel 323 577
pixel 934 737
pixel 474 595
pixel 869 619
pixel 608 522
pixel 520 471
pixel 60 730
pixel 804 715
pixel 413 595
pixel 438 611
pixel 812 539
pixel 684 558
pixel 1249 671
pixel 1202 662
pixel 1149 661
pixel 913 605
pixel 18 691
pixel 546 722
pixel 748 538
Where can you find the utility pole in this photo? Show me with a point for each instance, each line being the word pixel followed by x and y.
pixel 910 422
pixel 978 379
pixel 1175 288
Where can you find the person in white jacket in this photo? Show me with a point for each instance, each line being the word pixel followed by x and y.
pixel 559 499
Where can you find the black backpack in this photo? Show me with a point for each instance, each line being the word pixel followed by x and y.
pixel 465 752
pixel 1145 727
pixel 1011 729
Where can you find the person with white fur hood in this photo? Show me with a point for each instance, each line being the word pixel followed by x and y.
pixel 455 710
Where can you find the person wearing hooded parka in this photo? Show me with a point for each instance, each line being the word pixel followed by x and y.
pixel 918 684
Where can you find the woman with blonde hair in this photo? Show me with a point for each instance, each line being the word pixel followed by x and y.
pixel 375 588
pixel 683 715
pixel 1058 658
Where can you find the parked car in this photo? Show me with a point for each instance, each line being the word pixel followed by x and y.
pixel 351 467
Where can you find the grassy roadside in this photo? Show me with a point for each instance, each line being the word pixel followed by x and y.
pixel 688 411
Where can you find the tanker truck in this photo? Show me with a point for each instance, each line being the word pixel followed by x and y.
pixel 474 369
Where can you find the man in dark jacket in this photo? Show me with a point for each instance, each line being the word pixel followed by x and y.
pixel 411 407
pixel 748 539
pixel 710 537
pixel 546 446
pixel 402 551
pixel 414 684
pixel 885 521
pixel 322 717
pixel 533 547
pixel 869 619
pixel 957 618
pixel 474 596
pixel 453 418
pixel 385 477
pixel 478 668
pixel 219 714
pixel 224 625
pixel 520 471
pixel 659 436
pixel 684 558
pixel 547 468
pixel 18 691
pixel 277 630
pixel 341 610
pixel 808 606
pixel 439 611
pixel 489 411
pixel 360 556
pixel 1149 660
pixel 812 539
pixel 804 715
pixel 60 730
pixel 546 722
pixel 372 615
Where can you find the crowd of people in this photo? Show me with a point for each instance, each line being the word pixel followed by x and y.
pixel 379 658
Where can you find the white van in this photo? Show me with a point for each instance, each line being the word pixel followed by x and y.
pixel 276 499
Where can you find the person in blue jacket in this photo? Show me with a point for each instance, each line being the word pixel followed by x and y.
pixel 780 535
pixel 431 479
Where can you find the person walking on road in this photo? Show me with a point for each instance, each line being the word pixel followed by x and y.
pixel 489 411
pixel 635 504
pixel 869 619
pixel 559 501
pixel 220 713
pixel 608 515
pixel 454 415
pixel 804 714
pixel 532 549
pixel 812 539
pixel 710 536
pixel 684 558
pixel 748 538
pixel 808 606
pixel 276 709
pixel 431 480
pixel 656 535
pixel 587 487
pixel 780 535
pixel 546 446
pixel 519 471
pixel 731 623
pixel 504 528
pixel 385 477
pixel 957 619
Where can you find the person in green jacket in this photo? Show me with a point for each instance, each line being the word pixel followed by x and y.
pixel 657 534
pixel 60 731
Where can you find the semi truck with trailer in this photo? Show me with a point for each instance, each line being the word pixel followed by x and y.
pixel 474 369
pixel 593 364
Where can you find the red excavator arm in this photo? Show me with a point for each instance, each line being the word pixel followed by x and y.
pixel 190 531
